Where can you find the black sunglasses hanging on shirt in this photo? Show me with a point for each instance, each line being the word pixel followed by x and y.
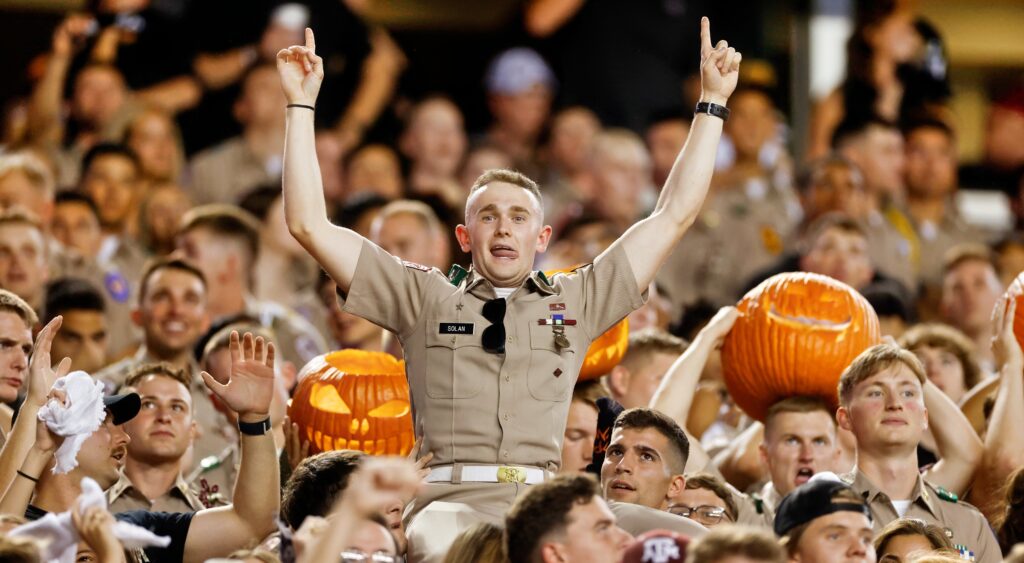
pixel 493 337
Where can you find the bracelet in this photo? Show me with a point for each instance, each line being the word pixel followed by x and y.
pixel 27 476
pixel 716 110
pixel 310 108
pixel 254 428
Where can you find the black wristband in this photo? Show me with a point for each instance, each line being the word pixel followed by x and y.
pixel 27 476
pixel 310 108
pixel 254 428
pixel 712 109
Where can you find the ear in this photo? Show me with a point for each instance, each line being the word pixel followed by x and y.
pixel 676 487
pixel 618 381
pixel 552 553
pixel 544 238
pixel 843 418
pixel 136 316
pixel 462 235
pixel 193 431
pixel 762 454
pixel 925 418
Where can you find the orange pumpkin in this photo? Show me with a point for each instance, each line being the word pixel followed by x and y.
pixel 1016 291
pixel 607 350
pixel 354 400
pixel 796 335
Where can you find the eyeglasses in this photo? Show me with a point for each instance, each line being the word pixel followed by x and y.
pixel 705 514
pixel 357 555
pixel 493 337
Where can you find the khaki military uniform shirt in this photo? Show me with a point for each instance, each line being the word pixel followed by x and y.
pixel 472 406
pixel 226 172
pixel 965 526
pixel 893 252
pixel 296 340
pixel 123 496
pixel 937 239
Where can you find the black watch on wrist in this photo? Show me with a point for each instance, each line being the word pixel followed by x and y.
pixel 254 428
pixel 712 109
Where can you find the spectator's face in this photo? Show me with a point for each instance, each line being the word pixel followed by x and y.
pixel 83 338
pixel 522 115
pixel 636 468
pixel 111 182
pixel 943 369
pixel 375 169
pixel 905 548
pixel 886 410
pixel 482 160
pixel 1002 138
pixel 619 180
pixel 665 140
pixel 262 99
pixel 930 169
pixel 406 236
pixel 880 156
pixel 164 209
pixel 16 190
pixel 572 137
pixel 15 348
pixel 435 139
pixel 172 313
pixel 643 381
pixel 23 266
pixel 836 188
pixel 164 428
pixel 98 96
pixel 578 441
pixel 153 140
pixel 969 294
pixel 796 446
pixel 840 254
pixel 370 538
pixel 590 537
pixel 213 256
pixel 840 537
pixel 697 498
pixel 103 453
pixel 751 123
pixel 504 231
pixel 76 227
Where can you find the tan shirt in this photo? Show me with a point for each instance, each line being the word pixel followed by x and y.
pixel 296 340
pixel 891 252
pixel 963 523
pixel 936 240
pixel 226 172
pixel 472 406
pixel 123 496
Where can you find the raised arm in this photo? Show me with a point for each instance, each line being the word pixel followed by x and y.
pixel 649 242
pixel 959 447
pixel 45 124
pixel 335 248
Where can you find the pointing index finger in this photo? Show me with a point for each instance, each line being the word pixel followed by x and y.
pixel 705 36
pixel 310 42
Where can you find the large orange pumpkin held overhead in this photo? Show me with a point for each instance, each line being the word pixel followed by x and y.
pixel 796 334
pixel 354 400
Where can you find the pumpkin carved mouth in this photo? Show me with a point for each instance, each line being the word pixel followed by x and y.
pixel 808 322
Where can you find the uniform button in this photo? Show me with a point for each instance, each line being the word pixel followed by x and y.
pixel 505 454
pixel 453 340
pixel 506 416
pixel 507 378
pixel 510 339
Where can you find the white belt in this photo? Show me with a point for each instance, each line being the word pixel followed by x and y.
pixel 487 474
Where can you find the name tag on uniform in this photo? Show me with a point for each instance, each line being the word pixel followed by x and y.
pixel 456 328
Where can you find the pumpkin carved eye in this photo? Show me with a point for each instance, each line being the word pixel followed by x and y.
pixel 326 398
pixel 391 409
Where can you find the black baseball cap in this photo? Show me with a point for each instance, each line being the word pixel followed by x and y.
pixel 123 407
pixel 811 500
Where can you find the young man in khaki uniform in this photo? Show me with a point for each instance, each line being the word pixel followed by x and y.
pixel 492 353
pixel 882 403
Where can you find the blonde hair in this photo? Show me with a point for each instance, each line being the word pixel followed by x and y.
pixel 34 169
pixel 945 337
pixel 872 361
pixel 506 176
pixel 417 209
pixel 736 540
pixel 481 543
pixel 13 304
pixel 618 142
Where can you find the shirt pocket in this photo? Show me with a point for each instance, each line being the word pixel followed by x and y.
pixel 451 370
pixel 551 375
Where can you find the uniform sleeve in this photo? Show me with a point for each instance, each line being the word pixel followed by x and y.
pixel 609 291
pixel 985 545
pixel 387 291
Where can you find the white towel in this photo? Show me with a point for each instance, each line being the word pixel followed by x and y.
pixel 61 538
pixel 81 413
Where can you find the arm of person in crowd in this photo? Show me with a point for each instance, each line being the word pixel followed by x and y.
pixel 173 95
pixel 959 448
pixel 217 70
pixel 336 249
pixel 375 484
pixel 22 440
pixel 96 528
pixel 545 17
pixel 380 73
pixel 649 242
pixel 45 123
pixel 740 461
pixel 256 499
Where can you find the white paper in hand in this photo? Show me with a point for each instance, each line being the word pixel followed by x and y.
pixel 81 413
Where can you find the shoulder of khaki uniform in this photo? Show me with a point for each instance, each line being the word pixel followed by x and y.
pixel 211 462
pixel 946 495
pixel 847 478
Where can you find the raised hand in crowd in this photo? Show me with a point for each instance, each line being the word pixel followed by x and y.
pixel 95 526
pixel 301 71
pixel 250 387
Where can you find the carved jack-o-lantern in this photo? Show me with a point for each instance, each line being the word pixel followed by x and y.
pixel 607 350
pixel 354 400
pixel 796 335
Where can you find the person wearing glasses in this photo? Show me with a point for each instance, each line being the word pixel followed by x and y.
pixel 492 353
pixel 706 500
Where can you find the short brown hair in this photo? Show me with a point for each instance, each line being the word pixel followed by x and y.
pixel 33 167
pixel 315 483
pixel 945 337
pixel 645 343
pixel 641 418
pixel 13 304
pixel 542 511
pixel 227 221
pixel 797 404
pixel 588 392
pixel 791 540
pixel 832 220
pixel 912 527
pixel 967 252
pixel 873 360
pixel 715 485
pixel 142 371
pixel 170 262
pixel 735 541
pixel 506 176
pixel 482 542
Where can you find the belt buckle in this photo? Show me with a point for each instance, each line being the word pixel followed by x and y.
pixel 511 475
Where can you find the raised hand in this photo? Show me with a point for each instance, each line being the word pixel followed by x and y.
pixel 294 444
pixel 301 71
pixel 41 374
pixel 378 483
pixel 1005 346
pixel 71 33
pixel 719 67
pixel 250 387
pixel 720 325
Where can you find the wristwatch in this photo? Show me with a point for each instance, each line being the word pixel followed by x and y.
pixel 712 109
pixel 254 428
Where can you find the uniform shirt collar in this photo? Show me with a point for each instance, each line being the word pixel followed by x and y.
pixel 124 486
pixel 920 495
pixel 475 282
